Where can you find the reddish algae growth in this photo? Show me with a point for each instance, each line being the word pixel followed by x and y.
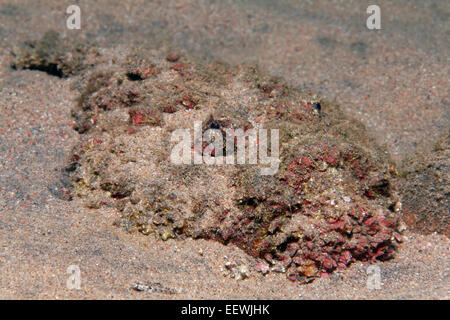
pixel 332 201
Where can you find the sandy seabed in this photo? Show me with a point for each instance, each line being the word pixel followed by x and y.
pixel 395 82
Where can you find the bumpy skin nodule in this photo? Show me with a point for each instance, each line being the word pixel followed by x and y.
pixel 331 202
